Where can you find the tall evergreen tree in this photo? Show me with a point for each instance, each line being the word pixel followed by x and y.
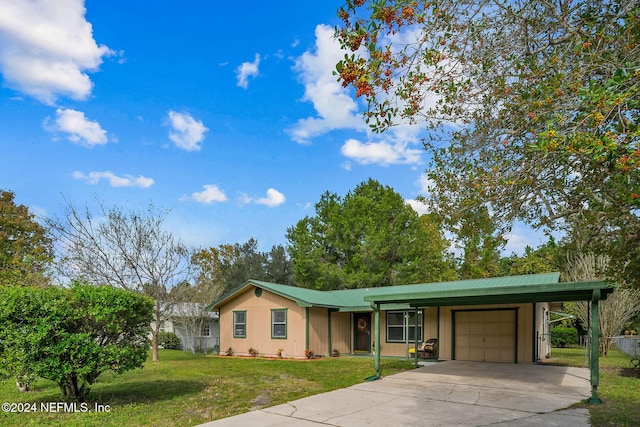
pixel 368 238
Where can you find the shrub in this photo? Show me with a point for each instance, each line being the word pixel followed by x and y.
pixel 309 354
pixel 72 335
pixel 253 352
pixel 168 340
pixel 562 337
pixel 229 352
pixel 335 353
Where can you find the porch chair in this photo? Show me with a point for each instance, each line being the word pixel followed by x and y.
pixel 430 347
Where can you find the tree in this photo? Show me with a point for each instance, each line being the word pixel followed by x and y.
pixel 219 269
pixel 547 258
pixel 616 311
pixel 481 241
pixel 279 267
pixel 26 250
pixel 250 263
pixel 71 336
pixel 212 268
pixel 369 238
pixel 434 247
pixel 125 249
pixel 538 101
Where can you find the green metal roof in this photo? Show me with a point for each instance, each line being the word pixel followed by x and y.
pixel 498 290
pixel 345 300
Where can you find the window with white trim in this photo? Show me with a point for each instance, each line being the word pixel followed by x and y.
pixel 279 323
pixel 239 324
pixel 401 326
pixel 206 330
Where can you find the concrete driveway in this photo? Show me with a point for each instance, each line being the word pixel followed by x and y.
pixel 451 393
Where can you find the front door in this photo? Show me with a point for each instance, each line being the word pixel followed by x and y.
pixel 362 331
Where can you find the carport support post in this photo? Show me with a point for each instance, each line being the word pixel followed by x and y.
pixel 594 363
pixel 415 334
pixel 376 343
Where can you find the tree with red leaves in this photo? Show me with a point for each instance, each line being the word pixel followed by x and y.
pixel 531 107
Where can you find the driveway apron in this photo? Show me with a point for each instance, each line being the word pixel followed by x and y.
pixel 450 393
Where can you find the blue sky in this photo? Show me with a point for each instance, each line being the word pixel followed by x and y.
pixel 226 113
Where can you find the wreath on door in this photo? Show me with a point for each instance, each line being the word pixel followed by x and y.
pixel 362 324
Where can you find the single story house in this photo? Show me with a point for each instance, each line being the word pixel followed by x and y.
pixel 502 319
pixel 197 329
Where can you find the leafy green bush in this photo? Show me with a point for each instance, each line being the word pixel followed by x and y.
pixel 168 340
pixel 562 336
pixel 72 335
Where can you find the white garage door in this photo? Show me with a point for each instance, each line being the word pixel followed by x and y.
pixel 485 336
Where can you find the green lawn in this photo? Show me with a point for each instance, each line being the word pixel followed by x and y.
pixel 619 387
pixel 184 389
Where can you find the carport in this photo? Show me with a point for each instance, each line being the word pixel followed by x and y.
pixel 511 290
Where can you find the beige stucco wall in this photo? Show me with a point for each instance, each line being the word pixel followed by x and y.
pixel 430 330
pixel 341 332
pixel 258 334
pixel 437 324
pixel 319 331
pixel 526 331
pixel 544 345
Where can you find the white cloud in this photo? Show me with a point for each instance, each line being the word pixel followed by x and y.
pixel 187 133
pixel 522 235
pixel 114 180
pixel 382 153
pixel 210 194
pixel 335 108
pixel 47 47
pixel 79 130
pixel 274 198
pixel 517 240
pixel 244 199
pixel 417 206
pixel 246 70
pixel 425 184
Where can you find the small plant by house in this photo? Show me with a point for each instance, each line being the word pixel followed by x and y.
pixel 229 352
pixel 335 353
pixel 309 354
pixel 280 352
pixel 168 340
pixel 253 352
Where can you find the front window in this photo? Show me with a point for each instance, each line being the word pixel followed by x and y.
pixel 401 326
pixel 239 324
pixel 206 331
pixel 279 323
